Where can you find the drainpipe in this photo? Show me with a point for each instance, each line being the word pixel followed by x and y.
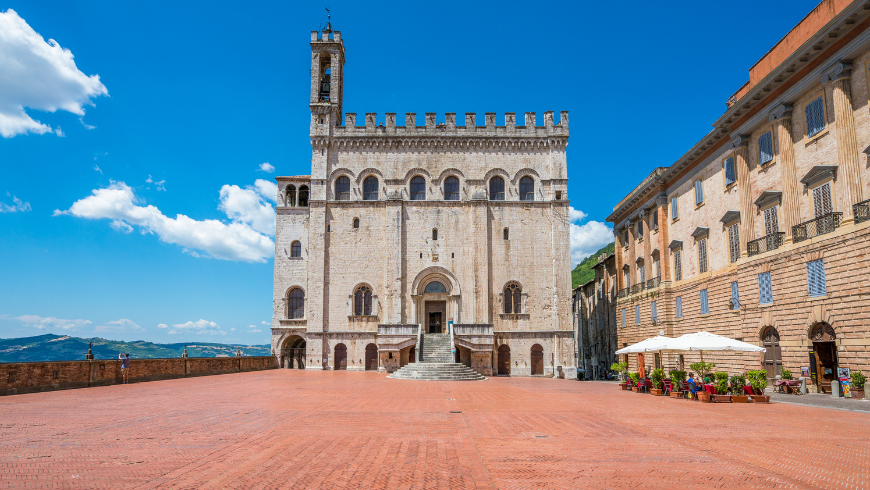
pixel 452 345
pixel 417 346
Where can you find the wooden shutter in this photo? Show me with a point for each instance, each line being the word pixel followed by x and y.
pixel 642 274
pixel 735 295
pixel 675 210
pixel 734 242
pixel 637 314
pixel 678 265
pixel 765 148
pixel 815 116
pixel 679 305
pixel 765 289
pixel 771 221
pixel 816 278
pixel 699 192
pixel 653 311
pixel 702 255
pixel 822 200
pixel 705 305
pixel 623 317
pixel 730 173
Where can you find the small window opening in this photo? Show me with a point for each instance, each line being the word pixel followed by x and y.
pixel 558 195
pixel 435 234
pixel 322 151
pixel 452 255
pixel 328 228
pixel 321 120
pixel 356 222
pixel 391 355
pixel 56 374
pixel 421 255
pixel 507 234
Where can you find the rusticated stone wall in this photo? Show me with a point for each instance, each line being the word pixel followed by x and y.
pixel 30 377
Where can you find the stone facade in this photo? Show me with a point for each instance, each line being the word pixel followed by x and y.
pixel 760 231
pixel 399 230
pixel 595 319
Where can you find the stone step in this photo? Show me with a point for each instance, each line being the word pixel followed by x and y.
pixel 437 371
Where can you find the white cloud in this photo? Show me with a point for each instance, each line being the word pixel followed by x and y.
pixel 200 327
pixel 160 183
pixel 86 125
pixel 267 167
pixel 38 75
pixel 162 325
pixel 122 325
pixel 234 241
pixel 588 238
pixel 121 226
pixel 97 168
pixel 50 322
pixel 17 204
pixel 251 205
pixel 256 330
pixel 264 322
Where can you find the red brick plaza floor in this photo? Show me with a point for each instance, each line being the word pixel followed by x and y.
pixel 322 429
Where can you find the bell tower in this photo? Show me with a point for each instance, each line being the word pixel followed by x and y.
pixel 327 64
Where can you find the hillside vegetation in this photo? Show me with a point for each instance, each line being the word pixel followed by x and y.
pixel 52 347
pixel 584 273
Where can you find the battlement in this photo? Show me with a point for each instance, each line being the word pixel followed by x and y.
pixel 410 124
pixel 326 36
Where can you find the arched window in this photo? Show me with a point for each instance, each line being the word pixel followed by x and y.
pixel 507 234
pixel 527 189
pixel 370 188
pixel 451 189
pixel 303 196
pixel 362 301
pixel 342 189
pixel 435 287
pixel 435 233
pixel 296 249
pixel 356 222
pixel 496 189
pixel 296 303
pixel 418 189
pixel 513 300
pixel 290 194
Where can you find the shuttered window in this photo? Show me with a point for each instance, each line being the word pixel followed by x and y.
pixel 815 113
pixel 640 230
pixel 702 255
pixel 627 279
pixel 655 219
pixel 816 278
pixel 642 273
pixel 735 296
pixel 765 289
pixel 822 200
pixel 699 192
pixel 679 306
pixel 678 265
pixel 625 238
pixel 730 172
pixel 771 221
pixel 653 312
pixel 734 242
pixel 623 317
pixel 705 305
pixel 637 314
pixel 765 148
pixel 675 210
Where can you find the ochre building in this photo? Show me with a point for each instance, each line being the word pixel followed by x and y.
pixel 409 226
pixel 760 231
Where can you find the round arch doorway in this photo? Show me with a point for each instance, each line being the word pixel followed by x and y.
pixel 371 357
pixel 824 340
pixel 537 360
pixel 772 354
pixel 340 357
pixel 293 353
pixel 504 360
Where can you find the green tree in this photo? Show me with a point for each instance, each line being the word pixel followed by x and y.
pixel 584 273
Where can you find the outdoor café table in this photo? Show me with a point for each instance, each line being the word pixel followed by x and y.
pixel 711 389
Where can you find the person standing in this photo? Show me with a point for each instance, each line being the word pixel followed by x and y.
pixel 125 367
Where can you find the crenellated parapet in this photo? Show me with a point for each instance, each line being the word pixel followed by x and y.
pixel 412 124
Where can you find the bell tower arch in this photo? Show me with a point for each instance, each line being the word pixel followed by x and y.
pixel 327 66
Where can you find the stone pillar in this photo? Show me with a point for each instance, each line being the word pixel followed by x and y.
pixel 632 253
pixel 618 254
pixel 647 245
pixel 393 304
pixel 664 241
pixel 740 145
pixel 791 192
pixel 847 141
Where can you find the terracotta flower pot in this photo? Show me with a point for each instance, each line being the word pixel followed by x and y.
pixel 857 393
pixel 703 397
pixel 760 398
pixel 634 389
pixel 739 399
pixel 656 392
pixel 676 394
pixel 721 398
pixel 623 386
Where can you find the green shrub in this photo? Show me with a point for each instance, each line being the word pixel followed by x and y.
pixel 621 368
pixel 635 377
pixel 786 374
pixel 702 368
pixel 677 376
pixel 858 379
pixel 721 383
pixel 657 376
pixel 758 379
pixel 738 385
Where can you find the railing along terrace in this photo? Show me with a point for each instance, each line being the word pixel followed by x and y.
pixel 623 292
pixel 862 211
pixel 638 288
pixel 815 227
pixel 398 329
pixel 765 243
pixel 653 283
pixel 473 328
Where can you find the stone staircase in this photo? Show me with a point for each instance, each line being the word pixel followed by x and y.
pixel 436 362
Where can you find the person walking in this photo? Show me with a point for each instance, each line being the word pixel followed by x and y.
pixel 125 367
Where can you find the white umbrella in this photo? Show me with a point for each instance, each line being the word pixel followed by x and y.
pixel 702 341
pixel 653 344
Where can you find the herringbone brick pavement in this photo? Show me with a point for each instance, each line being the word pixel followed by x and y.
pixel 360 430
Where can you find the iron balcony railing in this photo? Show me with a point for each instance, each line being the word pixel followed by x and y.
pixel 653 283
pixel 765 243
pixel 862 211
pixel 623 292
pixel 815 227
pixel 638 287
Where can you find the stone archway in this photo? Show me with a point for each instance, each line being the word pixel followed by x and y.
pixel 772 354
pixel 292 352
pixel 436 299
pixel 371 358
pixel 824 340
pixel 537 358
pixel 504 360
pixel 340 357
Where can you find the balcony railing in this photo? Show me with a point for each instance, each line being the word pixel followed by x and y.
pixel 623 292
pixel 862 211
pixel 653 283
pixel 765 243
pixel 819 226
pixel 638 288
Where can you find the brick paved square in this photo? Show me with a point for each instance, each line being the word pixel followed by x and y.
pixel 360 430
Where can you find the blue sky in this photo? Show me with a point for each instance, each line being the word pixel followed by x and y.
pixel 138 149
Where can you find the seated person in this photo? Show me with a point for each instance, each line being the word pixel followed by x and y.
pixel 693 385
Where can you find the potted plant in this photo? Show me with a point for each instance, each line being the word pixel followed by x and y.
pixel 858 379
pixel 622 369
pixel 677 378
pixel 657 376
pixel 635 378
pixel 786 375
pixel 703 369
pixel 738 385
pixel 758 381
pixel 721 388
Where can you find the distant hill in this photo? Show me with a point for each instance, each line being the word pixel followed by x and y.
pixel 583 273
pixel 52 347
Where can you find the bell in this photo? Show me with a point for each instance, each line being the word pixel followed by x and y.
pixel 324 88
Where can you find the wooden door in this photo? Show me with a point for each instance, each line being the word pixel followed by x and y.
pixel 504 360
pixel 435 322
pixel 412 354
pixel 537 360
pixel 371 357
pixel 772 354
pixel 340 357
